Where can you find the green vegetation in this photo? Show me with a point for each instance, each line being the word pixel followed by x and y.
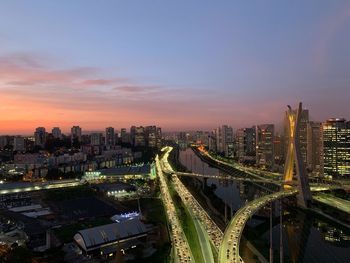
pixel 69 193
pixel 203 191
pixel 66 233
pixel 187 225
pixel 215 253
pixel 148 154
pixel 153 210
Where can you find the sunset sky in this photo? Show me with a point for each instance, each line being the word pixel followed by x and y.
pixel 177 64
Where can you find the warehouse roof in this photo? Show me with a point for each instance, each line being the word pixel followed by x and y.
pixel 92 238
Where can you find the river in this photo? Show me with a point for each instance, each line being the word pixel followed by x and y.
pixel 306 238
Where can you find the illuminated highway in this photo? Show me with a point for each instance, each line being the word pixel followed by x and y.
pixel 239 167
pixel 228 177
pixel 314 187
pixel 214 232
pixel 20 187
pixel 229 249
pixel 339 203
pixel 182 249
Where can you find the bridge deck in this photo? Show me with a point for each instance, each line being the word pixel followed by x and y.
pixel 229 249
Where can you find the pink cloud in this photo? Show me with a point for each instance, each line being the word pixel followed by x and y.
pixel 137 89
pixel 102 82
pixel 37 96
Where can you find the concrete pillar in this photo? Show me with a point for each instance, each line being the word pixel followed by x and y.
pixel 271 248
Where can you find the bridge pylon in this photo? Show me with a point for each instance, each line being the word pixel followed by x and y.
pixel 294 160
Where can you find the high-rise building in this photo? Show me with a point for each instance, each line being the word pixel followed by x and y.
pixel 227 140
pixel 219 140
pixel 56 133
pixel 212 142
pixel 40 136
pixel 224 140
pixel 96 139
pixel 3 141
pixel 76 133
pixel 140 136
pixel 314 148
pixel 151 136
pixel 245 144
pixel 125 136
pixel 19 144
pixel 279 149
pixel 304 119
pixel 122 132
pixel 264 145
pixel 132 134
pixel 159 137
pixel 110 137
pixel 336 147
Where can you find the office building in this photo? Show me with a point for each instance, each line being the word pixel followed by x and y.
pixel 110 137
pixel 40 137
pixel 245 144
pixel 139 136
pixel 159 137
pixel 19 144
pixel 76 133
pixel 336 147
pixel 3 141
pixel 218 139
pixel 96 139
pixel 212 142
pixel 56 133
pixel 132 135
pixel 151 136
pixel 224 140
pixel 125 136
pixel 227 140
pixel 314 148
pixel 264 145
pixel 279 149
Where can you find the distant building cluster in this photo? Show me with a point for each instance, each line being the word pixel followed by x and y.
pixel 325 147
pixel 76 152
pixel 221 140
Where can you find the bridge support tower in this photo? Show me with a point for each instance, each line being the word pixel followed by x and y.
pixel 294 159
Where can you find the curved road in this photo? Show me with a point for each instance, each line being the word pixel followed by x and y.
pixel 229 249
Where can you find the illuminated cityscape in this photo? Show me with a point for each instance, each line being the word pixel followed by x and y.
pixel 174 131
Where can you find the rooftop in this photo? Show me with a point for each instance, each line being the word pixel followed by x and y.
pixel 91 238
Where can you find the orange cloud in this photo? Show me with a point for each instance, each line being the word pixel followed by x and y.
pixel 33 95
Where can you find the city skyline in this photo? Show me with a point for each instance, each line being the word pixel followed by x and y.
pixel 66 130
pixel 174 131
pixel 182 66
